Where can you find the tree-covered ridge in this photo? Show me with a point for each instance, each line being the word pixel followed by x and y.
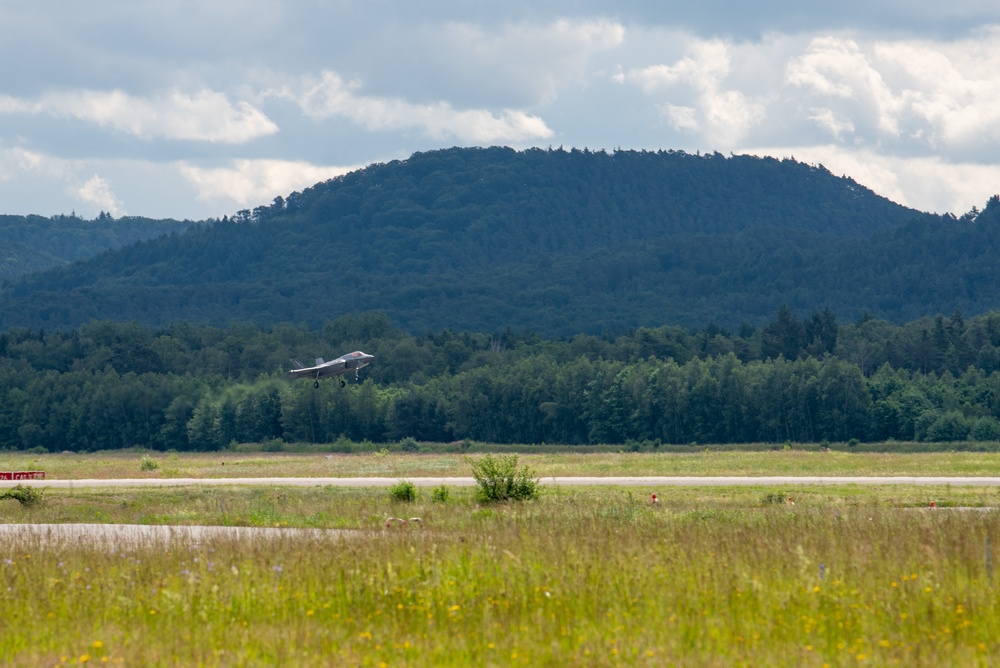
pixel 34 243
pixel 805 379
pixel 557 241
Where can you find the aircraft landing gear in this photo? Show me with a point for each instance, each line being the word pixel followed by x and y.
pixel 316 384
pixel 343 383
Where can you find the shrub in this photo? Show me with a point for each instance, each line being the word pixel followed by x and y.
pixel 440 494
pixel 273 445
pixel 404 490
pixel 499 479
pixel 147 463
pixel 409 444
pixel 26 496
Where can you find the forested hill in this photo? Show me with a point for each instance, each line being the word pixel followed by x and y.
pixel 35 243
pixel 554 241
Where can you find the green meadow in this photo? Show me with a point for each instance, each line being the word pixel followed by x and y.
pixel 386 463
pixel 845 576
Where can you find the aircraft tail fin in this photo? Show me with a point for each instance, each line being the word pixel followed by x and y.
pixel 319 361
pixel 297 364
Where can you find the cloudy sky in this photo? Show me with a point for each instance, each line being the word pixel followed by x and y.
pixel 198 109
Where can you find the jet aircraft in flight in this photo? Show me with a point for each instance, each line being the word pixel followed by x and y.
pixel 341 366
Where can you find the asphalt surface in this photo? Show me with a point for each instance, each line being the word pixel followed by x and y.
pixel 608 481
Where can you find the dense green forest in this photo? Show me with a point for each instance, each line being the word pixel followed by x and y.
pixel 796 378
pixel 559 242
pixel 33 243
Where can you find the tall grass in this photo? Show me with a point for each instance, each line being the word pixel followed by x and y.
pixel 576 578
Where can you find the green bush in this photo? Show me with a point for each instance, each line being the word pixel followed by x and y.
pixel 409 444
pixel 147 463
pixel 499 479
pixel 273 445
pixel 440 494
pixel 404 490
pixel 26 496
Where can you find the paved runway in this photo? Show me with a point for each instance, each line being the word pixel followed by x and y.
pixel 609 481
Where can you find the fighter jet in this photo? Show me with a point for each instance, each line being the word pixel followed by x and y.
pixel 341 366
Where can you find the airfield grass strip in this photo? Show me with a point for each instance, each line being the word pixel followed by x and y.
pixel 580 577
pixel 699 461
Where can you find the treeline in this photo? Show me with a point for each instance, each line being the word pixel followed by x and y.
pixel 803 379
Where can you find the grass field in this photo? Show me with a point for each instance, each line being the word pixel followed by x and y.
pixel 583 576
pixel 235 465
pixel 734 576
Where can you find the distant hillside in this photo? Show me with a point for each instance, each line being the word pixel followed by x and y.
pixel 558 242
pixel 34 243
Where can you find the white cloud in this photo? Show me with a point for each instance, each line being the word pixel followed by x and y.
pixel 202 116
pixel 681 118
pixel 953 89
pixel 330 96
pixel 254 182
pixel 891 97
pixel 527 62
pixel 97 191
pixel 722 114
pixel 703 69
pixel 19 161
pixel 832 122
pixel 916 96
pixel 837 68
pixel 18 165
